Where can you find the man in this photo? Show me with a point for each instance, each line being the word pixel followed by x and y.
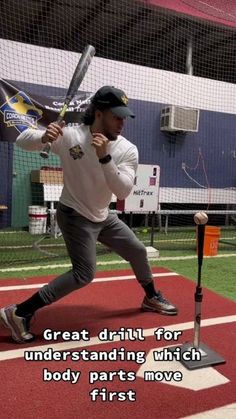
pixel 97 161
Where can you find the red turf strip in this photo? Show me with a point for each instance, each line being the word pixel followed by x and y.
pixel 114 305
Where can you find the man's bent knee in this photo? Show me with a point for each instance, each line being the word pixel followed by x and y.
pixel 83 277
pixel 137 252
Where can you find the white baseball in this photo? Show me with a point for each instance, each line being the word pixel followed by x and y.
pixel 200 217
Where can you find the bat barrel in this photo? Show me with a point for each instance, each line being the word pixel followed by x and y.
pixel 79 73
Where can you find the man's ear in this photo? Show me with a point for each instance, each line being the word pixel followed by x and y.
pixel 98 114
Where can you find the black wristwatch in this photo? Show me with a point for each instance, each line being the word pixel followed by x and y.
pixel 105 159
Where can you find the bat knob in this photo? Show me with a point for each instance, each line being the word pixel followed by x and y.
pixel 46 150
pixel 44 154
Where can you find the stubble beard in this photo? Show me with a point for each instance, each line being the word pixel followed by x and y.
pixel 110 136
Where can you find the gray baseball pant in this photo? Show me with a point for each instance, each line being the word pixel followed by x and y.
pixel 81 235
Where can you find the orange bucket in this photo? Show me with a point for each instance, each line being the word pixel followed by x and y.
pixel 211 241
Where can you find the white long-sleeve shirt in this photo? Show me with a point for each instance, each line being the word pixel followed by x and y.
pixel 88 184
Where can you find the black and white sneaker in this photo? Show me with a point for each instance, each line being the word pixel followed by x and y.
pixel 19 326
pixel 159 304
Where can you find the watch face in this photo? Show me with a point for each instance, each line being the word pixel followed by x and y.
pixel 105 159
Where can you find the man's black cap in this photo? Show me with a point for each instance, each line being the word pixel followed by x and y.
pixel 108 97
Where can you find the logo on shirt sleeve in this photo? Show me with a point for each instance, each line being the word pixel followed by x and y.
pixel 76 152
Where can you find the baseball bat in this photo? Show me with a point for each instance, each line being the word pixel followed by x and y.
pixel 76 81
